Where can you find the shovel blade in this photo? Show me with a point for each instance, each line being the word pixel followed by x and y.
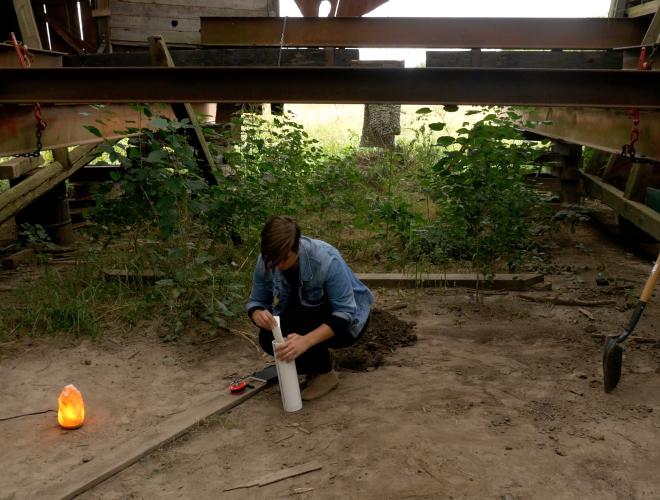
pixel 612 359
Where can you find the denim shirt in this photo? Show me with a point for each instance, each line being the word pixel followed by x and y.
pixel 324 278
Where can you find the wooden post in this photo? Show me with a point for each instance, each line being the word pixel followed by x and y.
pixel 570 171
pixel 638 180
pixel 160 56
pixel 27 24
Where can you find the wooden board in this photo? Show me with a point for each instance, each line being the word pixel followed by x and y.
pixel 15 167
pixel 117 458
pixel 643 9
pixel 516 282
pixel 27 24
pixel 639 214
pixel 178 21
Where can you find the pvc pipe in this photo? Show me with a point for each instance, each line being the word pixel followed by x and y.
pixel 287 375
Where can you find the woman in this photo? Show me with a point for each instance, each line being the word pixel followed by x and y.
pixel 321 303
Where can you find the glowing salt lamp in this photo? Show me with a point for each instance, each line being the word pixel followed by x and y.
pixel 71 408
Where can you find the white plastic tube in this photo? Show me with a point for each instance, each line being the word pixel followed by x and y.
pixel 287 375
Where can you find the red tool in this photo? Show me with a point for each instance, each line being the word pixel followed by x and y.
pixel 237 386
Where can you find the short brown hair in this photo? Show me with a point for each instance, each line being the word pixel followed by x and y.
pixel 280 235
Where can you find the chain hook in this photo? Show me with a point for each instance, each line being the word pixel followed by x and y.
pixel 24 59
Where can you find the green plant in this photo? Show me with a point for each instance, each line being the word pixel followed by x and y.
pixel 484 206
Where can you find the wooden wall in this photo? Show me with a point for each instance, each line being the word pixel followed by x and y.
pixel 132 21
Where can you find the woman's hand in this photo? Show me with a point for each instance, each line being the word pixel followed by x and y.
pixel 293 347
pixel 264 319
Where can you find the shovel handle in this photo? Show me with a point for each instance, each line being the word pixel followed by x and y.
pixel 650 283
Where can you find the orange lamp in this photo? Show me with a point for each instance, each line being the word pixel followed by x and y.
pixel 71 408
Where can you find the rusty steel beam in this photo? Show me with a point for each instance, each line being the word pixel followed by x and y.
pixel 481 86
pixel 504 33
pixel 604 129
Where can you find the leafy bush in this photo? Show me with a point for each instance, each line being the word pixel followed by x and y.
pixel 484 206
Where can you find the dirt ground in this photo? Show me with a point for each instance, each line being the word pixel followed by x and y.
pixel 501 398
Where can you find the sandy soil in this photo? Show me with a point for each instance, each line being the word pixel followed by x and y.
pixel 502 398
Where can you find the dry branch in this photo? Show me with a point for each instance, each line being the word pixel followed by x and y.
pixel 561 301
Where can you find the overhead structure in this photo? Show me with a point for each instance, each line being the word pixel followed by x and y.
pixel 440 32
pixel 529 87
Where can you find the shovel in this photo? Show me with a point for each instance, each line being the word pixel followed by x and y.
pixel 613 354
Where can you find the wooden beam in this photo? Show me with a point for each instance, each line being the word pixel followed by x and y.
pixel 604 129
pixel 500 281
pixel 65 125
pixel 652 36
pixel 638 180
pixel 16 167
pixel 639 214
pixel 160 56
pixel 118 457
pixel 617 8
pixel 643 9
pixel 20 196
pixel 27 24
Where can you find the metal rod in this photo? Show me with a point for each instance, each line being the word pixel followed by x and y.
pixel 511 33
pixel 482 86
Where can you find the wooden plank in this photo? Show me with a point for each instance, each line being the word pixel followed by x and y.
pixel 638 180
pixel 639 214
pixel 160 56
pixel 117 458
pixel 25 257
pixel 516 282
pixel 279 476
pixel 100 13
pixel 121 9
pixel 15 167
pixel 652 36
pixel 27 24
pixel 604 129
pixel 585 59
pixel 20 196
pixel 65 125
pixel 197 4
pixel 643 9
pixel 123 35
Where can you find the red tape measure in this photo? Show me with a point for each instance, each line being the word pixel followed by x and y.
pixel 237 386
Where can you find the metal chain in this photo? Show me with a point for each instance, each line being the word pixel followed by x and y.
pixel 628 150
pixel 279 56
pixel 24 58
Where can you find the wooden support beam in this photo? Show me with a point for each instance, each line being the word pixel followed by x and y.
pixel 20 196
pixel 160 56
pixel 639 214
pixel 638 180
pixel 516 282
pixel 120 456
pixel 27 24
pixel 652 36
pixel 569 174
pixel 16 167
pixel 643 9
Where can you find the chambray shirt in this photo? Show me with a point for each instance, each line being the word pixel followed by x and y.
pixel 324 278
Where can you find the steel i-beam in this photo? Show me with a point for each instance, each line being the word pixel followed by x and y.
pixel 481 86
pixel 411 32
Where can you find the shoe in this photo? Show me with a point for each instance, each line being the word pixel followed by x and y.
pixel 320 385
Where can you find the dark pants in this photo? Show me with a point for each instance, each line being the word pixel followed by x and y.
pixel 302 320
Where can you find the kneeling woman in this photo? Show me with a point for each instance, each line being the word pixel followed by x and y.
pixel 321 303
